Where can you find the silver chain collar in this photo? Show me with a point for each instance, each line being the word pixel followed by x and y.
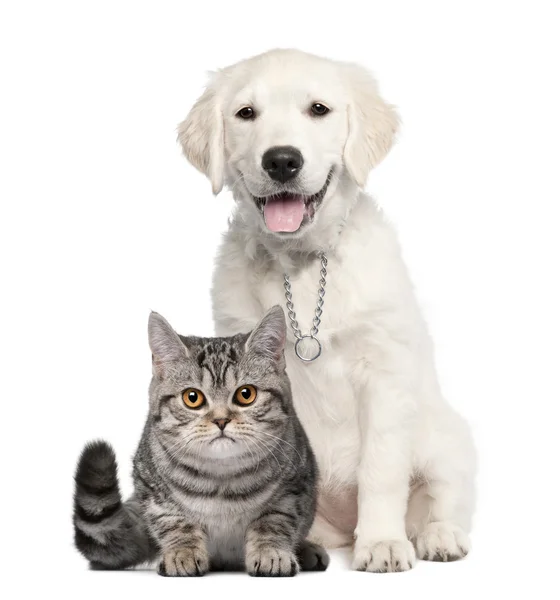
pixel 312 335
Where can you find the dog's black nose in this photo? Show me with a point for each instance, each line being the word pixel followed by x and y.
pixel 282 163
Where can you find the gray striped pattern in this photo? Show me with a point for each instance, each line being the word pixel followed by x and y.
pixel 207 498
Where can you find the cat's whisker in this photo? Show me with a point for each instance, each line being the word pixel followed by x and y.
pixel 178 450
pixel 284 442
pixel 258 449
pixel 259 452
pixel 268 450
pixel 276 445
pixel 245 439
pixel 246 443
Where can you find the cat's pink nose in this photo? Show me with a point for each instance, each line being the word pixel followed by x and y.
pixel 221 423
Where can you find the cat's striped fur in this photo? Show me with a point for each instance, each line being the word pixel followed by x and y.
pixel 224 486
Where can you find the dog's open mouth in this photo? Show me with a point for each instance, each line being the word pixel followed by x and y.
pixel 287 212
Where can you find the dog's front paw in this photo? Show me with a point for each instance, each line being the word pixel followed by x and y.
pixel 384 557
pixel 184 562
pixel 442 542
pixel 271 562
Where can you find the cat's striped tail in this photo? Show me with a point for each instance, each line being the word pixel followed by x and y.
pixel 108 532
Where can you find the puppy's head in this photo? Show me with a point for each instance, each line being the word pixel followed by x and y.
pixel 282 129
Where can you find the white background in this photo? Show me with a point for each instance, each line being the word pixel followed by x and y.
pixel 103 220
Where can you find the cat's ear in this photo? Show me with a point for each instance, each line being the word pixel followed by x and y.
pixel 165 344
pixel 269 336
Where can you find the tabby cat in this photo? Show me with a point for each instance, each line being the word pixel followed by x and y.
pixel 224 476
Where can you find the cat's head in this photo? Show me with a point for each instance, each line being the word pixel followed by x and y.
pixel 219 397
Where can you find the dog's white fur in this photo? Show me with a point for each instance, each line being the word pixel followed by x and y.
pixel 396 461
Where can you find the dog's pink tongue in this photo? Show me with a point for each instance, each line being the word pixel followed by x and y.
pixel 284 213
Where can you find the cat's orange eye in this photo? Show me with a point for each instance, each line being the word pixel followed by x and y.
pixel 245 395
pixel 193 398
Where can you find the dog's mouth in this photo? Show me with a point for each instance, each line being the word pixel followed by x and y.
pixel 287 212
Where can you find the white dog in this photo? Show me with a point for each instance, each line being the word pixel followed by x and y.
pixel 294 136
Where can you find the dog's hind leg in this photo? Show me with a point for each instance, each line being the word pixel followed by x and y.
pixel 441 501
pixel 433 523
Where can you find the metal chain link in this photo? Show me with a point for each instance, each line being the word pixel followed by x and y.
pixel 320 301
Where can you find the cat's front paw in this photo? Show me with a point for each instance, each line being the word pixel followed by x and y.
pixel 271 562
pixel 184 562
pixel 384 557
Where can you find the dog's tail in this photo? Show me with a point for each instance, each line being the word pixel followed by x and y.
pixel 109 533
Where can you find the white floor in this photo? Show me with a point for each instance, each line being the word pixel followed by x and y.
pixel 486 573
pixel 102 220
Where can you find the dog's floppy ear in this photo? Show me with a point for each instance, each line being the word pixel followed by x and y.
pixel 372 125
pixel 201 135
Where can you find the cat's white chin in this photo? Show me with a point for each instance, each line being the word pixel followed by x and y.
pixel 224 447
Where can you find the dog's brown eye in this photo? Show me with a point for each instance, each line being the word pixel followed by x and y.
pixel 246 113
pixel 245 395
pixel 193 398
pixel 319 109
